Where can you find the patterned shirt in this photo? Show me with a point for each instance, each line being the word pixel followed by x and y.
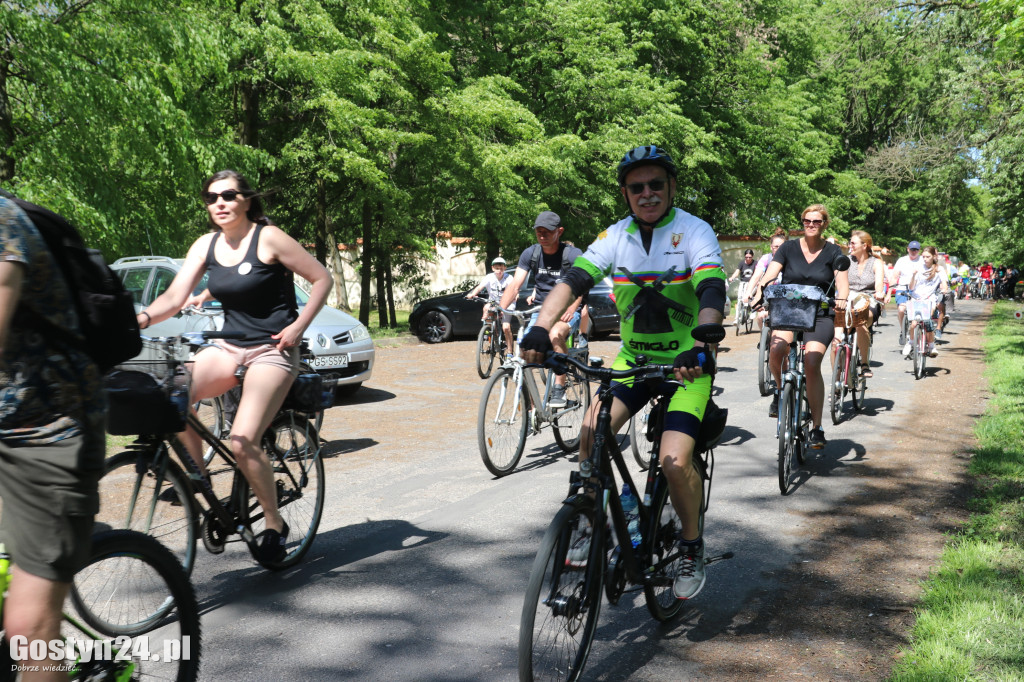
pixel 49 390
pixel 680 240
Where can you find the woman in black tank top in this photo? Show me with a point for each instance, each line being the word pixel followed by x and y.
pixel 251 264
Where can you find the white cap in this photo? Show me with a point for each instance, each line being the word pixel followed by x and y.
pixel 498 261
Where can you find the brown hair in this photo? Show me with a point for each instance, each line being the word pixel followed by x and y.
pixel 866 238
pixel 255 210
pixel 929 273
pixel 820 208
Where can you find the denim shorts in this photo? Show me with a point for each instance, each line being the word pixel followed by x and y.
pixel 574 323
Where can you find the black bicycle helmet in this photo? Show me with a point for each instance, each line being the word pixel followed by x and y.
pixel 649 154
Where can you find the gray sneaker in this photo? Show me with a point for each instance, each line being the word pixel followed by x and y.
pixel 557 397
pixel 579 546
pixel 691 576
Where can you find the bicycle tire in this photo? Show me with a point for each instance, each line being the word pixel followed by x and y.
pixel 664 532
pixel 484 351
pixel 787 438
pixel 294 448
pixel 502 423
pixel 836 387
pixel 855 380
pixel 175 520
pixel 748 322
pixel 919 354
pixel 120 592
pixel 765 380
pixel 563 602
pixel 801 425
pixel 211 413
pixel 568 425
pixel 640 443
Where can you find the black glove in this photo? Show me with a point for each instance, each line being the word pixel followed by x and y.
pixel 696 357
pixel 536 338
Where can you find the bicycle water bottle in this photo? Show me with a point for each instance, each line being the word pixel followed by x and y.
pixel 629 506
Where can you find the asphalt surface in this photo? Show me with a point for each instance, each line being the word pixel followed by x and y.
pixel 421 563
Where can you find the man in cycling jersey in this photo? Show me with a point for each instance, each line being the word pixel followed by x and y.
pixel 548 260
pixel 495 284
pixel 658 313
pixel 902 272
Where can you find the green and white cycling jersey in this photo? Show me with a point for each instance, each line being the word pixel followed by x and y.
pixel 680 240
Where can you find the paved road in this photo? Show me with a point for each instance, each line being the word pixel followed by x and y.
pixel 422 559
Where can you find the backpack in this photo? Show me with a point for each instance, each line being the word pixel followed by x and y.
pixel 106 312
pixel 535 260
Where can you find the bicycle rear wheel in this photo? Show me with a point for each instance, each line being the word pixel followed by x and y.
pixel 765 380
pixel 124 590
pixel 293 445
pixel 151 494
pixel 568 422
pixel 855 380
pixel 665 529
pixel 919 354
pixel 837 385
pixel 484 351
pixel 787 438
pixel 563 598
pixel 502 422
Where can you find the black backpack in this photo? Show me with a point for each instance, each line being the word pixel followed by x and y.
pixel 106 312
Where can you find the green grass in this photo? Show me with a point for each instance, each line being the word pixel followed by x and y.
pixel 971 622
pixel 378 332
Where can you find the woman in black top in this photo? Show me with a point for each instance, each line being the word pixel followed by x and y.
pixel 251 263
pixel 809 260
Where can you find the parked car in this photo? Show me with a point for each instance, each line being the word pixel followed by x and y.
pixel 341 346
pixel 443 318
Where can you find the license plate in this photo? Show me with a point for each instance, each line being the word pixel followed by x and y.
pixel 322 361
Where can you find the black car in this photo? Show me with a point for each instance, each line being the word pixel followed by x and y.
pixel 444 317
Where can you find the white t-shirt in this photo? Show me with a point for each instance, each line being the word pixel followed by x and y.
pixel 496 287
pixel 905 269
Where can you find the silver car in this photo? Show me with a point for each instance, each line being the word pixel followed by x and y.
pixel 341 346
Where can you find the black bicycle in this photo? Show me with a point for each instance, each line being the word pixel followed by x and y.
pixel 144 488
pixel 563 598
pixel 490 341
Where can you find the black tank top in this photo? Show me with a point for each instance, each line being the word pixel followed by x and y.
pixel 258 299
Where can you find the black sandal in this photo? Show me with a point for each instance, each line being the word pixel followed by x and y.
pixel 865 372
pixel 271 545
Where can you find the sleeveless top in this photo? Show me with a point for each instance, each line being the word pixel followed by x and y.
pixel 258 299
pixel 863 281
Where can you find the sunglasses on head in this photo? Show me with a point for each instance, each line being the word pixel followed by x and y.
pixel 638 187
pixel 228 195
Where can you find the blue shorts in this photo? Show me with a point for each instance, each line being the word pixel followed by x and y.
pixel 574 323
pixel 901 297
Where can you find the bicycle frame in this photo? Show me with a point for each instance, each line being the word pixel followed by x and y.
pixel 794 375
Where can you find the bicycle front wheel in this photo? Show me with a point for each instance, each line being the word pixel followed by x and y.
pixel 765 381
pixel 664 532
pixel 124 590
pixel 640 443
pixel 919 341
pixel 502 422
pixel 837 384
pixel 484 351
pixel 854 380
pixel 787 438
pixel 211 413
pixel 151 494
pixel 563 597
pixel 568 421
pixel 293 445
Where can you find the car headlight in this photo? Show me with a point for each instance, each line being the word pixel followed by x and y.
pixel 359 333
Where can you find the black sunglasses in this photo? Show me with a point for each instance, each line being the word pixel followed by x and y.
pixel 815 223
pixel 228 195
pixel 638 187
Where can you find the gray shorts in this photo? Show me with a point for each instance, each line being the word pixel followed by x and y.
pixel 49 501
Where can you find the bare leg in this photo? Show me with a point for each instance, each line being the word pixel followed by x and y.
pixel 683 480
pixel 32 610
pixel 813 356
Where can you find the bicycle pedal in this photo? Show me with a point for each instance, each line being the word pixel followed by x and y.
pixel 718 557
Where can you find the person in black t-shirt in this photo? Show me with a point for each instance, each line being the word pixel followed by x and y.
pixel 812 261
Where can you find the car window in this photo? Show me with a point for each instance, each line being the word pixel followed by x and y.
pixel 162 279
pixel 134 280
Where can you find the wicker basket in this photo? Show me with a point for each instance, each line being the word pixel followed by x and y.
pixel 793 307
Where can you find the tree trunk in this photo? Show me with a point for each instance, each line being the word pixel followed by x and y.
pixel 7 166
pixel 366 264
pixel 390 283
pixel 320 229
pixel 382 296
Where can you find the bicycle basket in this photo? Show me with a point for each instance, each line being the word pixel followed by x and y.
pixel 140 404
pixel 308 394
pixel 793 307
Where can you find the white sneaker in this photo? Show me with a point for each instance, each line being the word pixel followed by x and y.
pixel 930 351
pixel 579 547
pixel 691 576
pixel 907 348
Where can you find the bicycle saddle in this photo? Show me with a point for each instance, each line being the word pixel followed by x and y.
pixel 711 427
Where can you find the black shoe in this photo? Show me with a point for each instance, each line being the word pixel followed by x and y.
pixel 773 409
pixel 817 438
pixel 271 545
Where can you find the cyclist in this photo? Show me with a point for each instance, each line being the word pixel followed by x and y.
pixel 51 436
pixel 867 278
pixel 904 269
pixel 744 271
pixel 495 284
pixel 965 279
pixel 812 261
pixel 251 263
pixel 987 274
pixel 778 239
pixel 680 255
pixel 548 259
pixel 925 287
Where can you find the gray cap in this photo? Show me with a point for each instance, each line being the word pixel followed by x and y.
pixel 549 220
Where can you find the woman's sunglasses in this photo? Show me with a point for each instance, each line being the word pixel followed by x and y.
pixel 228 195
